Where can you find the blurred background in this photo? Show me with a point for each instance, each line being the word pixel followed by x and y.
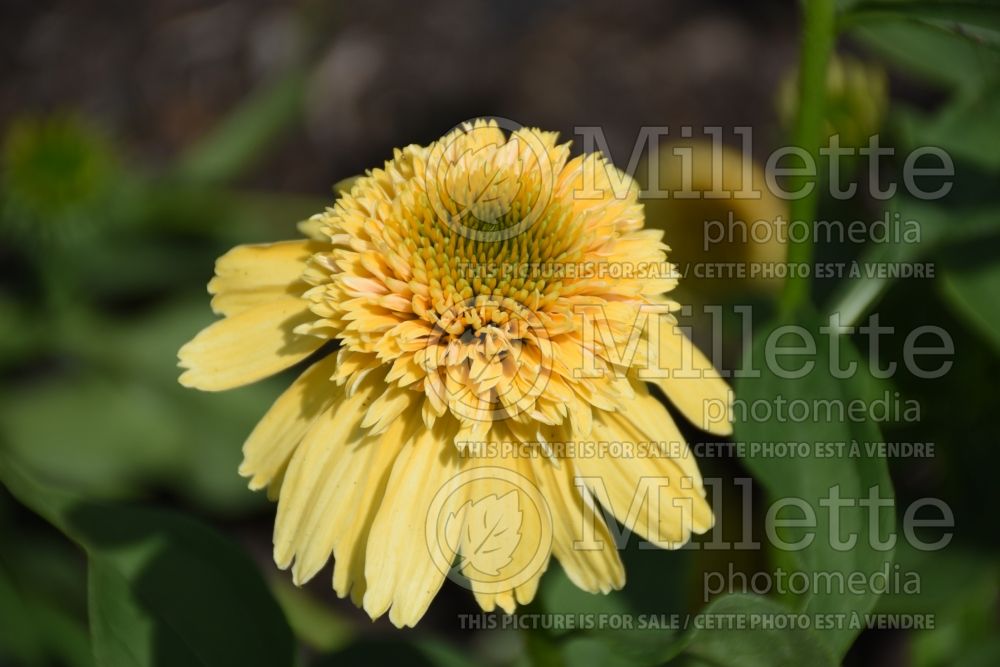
pixel 142 140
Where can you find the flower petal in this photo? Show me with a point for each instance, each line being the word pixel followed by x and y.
pixel 525 541
pixel 307 476
pixel 400 571
pixel 594 564
pixel 247 347
pixel 648 493
pixel 369 464
pixel 694 386
pixel 275 437
pixel 654 423
pixel 251 275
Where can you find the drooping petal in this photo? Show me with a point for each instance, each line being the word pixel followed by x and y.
pixel 693 384
pixel 683 494
pixel 649 420
pixel 247 347
pixel 650 494
pixel 276 436
pixel 401 573
pixel 359 504
pixel 580 539
pixel 252 275
pixel 504 552
pixel 344 500
pixel 308 476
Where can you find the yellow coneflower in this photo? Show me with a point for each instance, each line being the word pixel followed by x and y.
pixel 453 287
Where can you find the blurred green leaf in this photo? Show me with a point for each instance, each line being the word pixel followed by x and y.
pixel 312 622
pixel 973 291
pixel 959 588
pixel 941 228
pixel 92 434
pixel 610 645
pixel 944 11
pixel 966 128
pixel 19 333
pixel 391 651
pixel 240 139
pixel 930 53
pixel 949 579
pixel 559 595
pixel 625 648
pixel 164 589
pixel 103 445
pixel 762 645
pixel 18 634
pixel 36 630
pixel 814 478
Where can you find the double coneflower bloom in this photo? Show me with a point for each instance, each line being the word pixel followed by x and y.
pixel 481 317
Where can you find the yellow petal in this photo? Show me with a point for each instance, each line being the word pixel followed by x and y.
pixel 507 533
pixel 308 477
pixel 400 571
pixel 313 228
pixel 251 275
pixel 653 422
pixel 683 495
pixel 276 436
pixel 580 539
pixel 387 408
pixel 649 494
pixel 365 472
pixel 693 384
pixel 247 347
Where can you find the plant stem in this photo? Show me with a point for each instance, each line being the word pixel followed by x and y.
pixel 817 43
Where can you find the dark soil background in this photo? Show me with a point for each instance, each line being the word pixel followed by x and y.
pixel 158 75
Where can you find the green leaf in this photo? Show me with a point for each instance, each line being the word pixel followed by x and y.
pixel 164 589
pixel 825 550
pixel 926 51
pixel 966 128
pixel 973 290
pixel 391 651
pixel 101 441
pixel 128 381
pixel 960 588
pixel 949 580
pixel 624 648
pixel 316 624
pixel 36 630
pixel 609 645
pixel 940 228
pixel 559 595
pixel 971 13
pixel 773 641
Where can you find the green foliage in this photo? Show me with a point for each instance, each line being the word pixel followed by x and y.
pixel 114 263
pixel 163 588
pixel 774 645
pixel 814 478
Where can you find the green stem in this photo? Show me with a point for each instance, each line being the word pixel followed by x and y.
pixel 817 43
